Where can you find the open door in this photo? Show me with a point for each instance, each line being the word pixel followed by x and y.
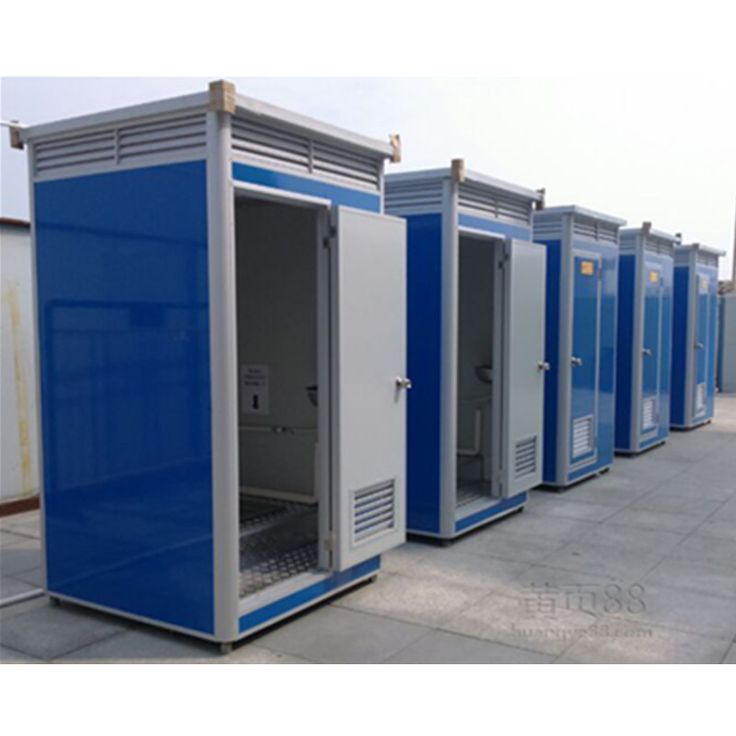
pixel 702 347
pixel 651 357
pixel 524 366
pixel 369 384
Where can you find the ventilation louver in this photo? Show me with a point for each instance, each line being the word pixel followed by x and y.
pixel 525 457
pixel 582 436
pixel 373 511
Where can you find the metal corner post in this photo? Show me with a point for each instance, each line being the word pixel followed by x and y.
pixel 448 369
pixel 223 374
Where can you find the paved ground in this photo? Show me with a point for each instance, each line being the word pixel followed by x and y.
pixel 638 565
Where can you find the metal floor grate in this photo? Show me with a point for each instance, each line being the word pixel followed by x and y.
pixel 470 492
pixel 278 539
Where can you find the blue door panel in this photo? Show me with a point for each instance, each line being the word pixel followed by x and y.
pixel 125 391
pixel 585 348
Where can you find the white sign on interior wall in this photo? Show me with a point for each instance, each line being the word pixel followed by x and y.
pixel 254 388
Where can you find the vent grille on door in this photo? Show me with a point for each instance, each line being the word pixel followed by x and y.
pixel 283 147
pixel 582 436
pixel 699 398
pixel 525 457
pixel 649 413
pixel 104 149
pixel 373 512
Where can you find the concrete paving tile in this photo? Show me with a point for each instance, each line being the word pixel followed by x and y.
pixel 253 654
pixel 717 527
pixel 665 520
pixel 32 577
pixel 27 524
pixel 612 641
pixel 685 610
pixel 19 558
pixel 730 657
pixel 50 632
pixel 400 559
pixel 10 587
pixel 156 646
pixel 442 647
pixel 429 602
pixel 8 539
pixel 603 560
pixel 691 487
pixel 462 568
pixel 538 526
pixel 569 509
pixel 633 538
pixel 19 608
pixel 568 589
pixel 615 492
pixel 727 511
pixel 713 550
pixel 509 547
pixel 517 622
pixel 700 509
pixel 339 635
pixel 10 656
pixel 673 572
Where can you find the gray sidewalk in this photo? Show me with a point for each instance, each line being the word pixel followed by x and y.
pixel 638 565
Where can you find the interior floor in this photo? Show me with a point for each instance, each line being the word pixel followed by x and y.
pixel 277 541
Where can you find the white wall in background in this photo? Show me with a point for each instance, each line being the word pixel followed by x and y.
pixel 19 438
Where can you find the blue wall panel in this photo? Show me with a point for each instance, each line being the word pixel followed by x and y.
pixel 312 187
pixel 424 357
pixel 125 391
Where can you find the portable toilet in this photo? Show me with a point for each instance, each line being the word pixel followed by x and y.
pixel 475 347
pixel 694 335
pixel 727 343
pixel 582 280
pixel 644 351
pixel 221 306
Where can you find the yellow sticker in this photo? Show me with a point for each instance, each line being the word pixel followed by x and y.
pixel 704 283
pixel 654 277
pixel 587 268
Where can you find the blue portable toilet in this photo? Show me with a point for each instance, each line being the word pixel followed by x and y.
pixel 475 347
pixel 582 282
pixel 727 343
pixel 644 352
pixel 221 309
pixel 695 335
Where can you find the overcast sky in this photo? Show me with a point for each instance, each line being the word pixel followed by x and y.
pixel 661 150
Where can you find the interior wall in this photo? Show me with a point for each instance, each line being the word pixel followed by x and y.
pixel 19 476
pixel 475 347
pixel 277 328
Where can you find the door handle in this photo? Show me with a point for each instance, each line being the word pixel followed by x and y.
pixel 543 365
pixel 699 346
pixel 577 362
pixel 647 352
pixel 402 382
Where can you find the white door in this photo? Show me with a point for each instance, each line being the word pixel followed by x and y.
pixel 369 384
pixel 524 366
